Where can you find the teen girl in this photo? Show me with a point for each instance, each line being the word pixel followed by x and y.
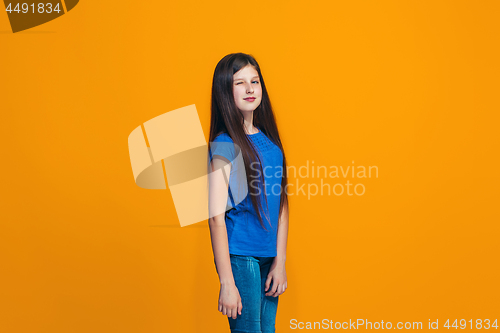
pixel 249 240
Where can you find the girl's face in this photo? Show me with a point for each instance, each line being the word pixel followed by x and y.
pixel 247 90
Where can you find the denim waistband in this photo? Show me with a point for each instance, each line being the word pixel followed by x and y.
pixel 250 258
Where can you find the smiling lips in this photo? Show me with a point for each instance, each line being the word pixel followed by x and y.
pixel 249 99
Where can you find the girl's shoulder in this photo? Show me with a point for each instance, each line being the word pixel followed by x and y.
pixel 223 137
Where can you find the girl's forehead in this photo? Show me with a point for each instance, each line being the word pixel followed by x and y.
pixel 248 70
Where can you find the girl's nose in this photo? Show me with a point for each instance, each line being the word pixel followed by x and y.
pixel 249 89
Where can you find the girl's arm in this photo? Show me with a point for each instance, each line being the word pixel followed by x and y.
pixel 282 234
pixel 277 272
pixel 229 298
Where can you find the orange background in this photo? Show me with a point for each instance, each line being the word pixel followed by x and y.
pixel 411 87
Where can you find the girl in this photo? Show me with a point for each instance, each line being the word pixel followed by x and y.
pixel 249 240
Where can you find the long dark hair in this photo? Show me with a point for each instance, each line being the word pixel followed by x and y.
pixel 226 118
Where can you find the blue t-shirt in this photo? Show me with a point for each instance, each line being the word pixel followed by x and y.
pixel 246 236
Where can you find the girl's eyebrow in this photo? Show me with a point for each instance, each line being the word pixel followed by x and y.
pixel 256 76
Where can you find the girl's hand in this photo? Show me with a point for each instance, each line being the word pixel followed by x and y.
pixel 230 300
pixel 277 273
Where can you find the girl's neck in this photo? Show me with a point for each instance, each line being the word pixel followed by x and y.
pixel 250 129
pixel 248 124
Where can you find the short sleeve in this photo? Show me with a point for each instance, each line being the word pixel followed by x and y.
pixel 223 146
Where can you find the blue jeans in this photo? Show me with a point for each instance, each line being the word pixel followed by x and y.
pixel 258 314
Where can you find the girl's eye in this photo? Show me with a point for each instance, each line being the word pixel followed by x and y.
pixel 242 82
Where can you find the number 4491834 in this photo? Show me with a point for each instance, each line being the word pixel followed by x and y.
pixel 40 8
pixel 479 324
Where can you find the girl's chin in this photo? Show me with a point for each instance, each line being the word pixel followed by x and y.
pixel 249 108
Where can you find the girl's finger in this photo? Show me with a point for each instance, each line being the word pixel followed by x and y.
pixel 275 287
pixel 268 282
pixel 275 290
pixel 240 306
pixel 277 293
